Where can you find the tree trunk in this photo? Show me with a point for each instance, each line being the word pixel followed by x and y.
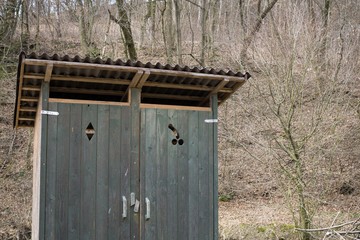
pixel 250 37
pixel 125 27
pixel 204 32
pixel 178 31
pixel 25 31
pixel 57 24
pixel 149 17
pixel 7 28
pixel 168 29
pixel 84 25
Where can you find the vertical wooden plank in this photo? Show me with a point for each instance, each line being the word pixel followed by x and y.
pixel 142 172
pixel 115 162
pixel 161 169
pixel 172 193
pixel 136 169
pixel 150 181
pixel 193 168
pixel 125 169
pixel 39 167
pixel 204 197
pixel 214 108
pixel 183 176
pixel 51 185
pixel 88 174
pixel 74 172
pixel 36 174
pixel 62 171
pixel 102 166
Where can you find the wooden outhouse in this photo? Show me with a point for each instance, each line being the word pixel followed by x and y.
pixel 122 150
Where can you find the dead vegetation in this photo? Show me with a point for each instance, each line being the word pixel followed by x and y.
pixel 319 89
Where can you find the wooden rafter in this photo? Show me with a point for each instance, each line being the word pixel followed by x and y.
pixel 143 79
pixel 215 90
pixel 155 71
pixel 31 88
pixel 184 86
pixel 86 91
pixel 48 72
pixel 80 79
pixel 170 96
pixel 133 83
pixel 28 109
pixel 29 99
pixel 22 67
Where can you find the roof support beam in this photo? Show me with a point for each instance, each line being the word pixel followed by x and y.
pixel 217 89
pixel 48 72
pixel 133 83
pixel 19 93
pixel 143 79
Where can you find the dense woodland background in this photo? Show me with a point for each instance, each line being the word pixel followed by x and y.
pixel 289 138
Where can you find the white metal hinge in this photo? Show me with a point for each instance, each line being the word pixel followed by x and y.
pixel 52 113
pixel 211 120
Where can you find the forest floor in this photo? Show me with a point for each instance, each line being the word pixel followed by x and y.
pixel 240 218
pixel 269 218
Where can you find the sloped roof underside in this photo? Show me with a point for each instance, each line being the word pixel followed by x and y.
pixel 106 80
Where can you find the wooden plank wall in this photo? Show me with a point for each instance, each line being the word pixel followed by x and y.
pixel 177 179
pixel 86 179
pixel 39 166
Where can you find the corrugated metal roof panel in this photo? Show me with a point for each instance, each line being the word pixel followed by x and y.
pixel 108 80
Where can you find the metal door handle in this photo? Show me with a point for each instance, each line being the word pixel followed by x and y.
pixel 124 207
pixel 147 215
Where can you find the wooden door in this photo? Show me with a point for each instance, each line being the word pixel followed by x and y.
pixel 177 175
pixel 88 172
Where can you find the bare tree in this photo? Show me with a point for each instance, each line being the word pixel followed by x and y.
pixel 254 29
pixel 124 23
pixel 8 20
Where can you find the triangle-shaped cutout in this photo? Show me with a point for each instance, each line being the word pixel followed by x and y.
pixel 90 131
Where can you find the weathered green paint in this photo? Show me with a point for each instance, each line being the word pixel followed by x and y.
pixel 131 151
pixel 135 170
pixel 214 110
pixel 44 97
pixel 75 172
pixel 177 177
pixel 85 179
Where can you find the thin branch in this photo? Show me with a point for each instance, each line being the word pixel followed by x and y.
pixel 327 228
pixel 195 4
pixel 113 18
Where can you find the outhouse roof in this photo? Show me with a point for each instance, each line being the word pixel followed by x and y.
pixel 97 80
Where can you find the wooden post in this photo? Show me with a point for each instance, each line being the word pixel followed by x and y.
pixel 39 167
pixel 134 160
pixel 214 107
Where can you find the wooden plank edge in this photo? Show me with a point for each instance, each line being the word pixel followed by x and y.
pixel 221 101
pixel 143 79
pixel 19 93
pixel 48 72
pixel 26 119
pixel 79 79
pixel 216 90
pixel 79 101
pixel 31 88
pixel 174 107
pixel 133 83
pixel 40 62
pixel 28 109
pixel 126 82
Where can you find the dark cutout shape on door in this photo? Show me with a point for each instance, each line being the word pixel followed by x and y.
pixel 90 131
pixel 176 140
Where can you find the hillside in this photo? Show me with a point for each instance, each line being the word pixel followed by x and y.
pixel 288 139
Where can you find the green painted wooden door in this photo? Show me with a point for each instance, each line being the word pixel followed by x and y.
pixel 177 175
pixel 87 172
